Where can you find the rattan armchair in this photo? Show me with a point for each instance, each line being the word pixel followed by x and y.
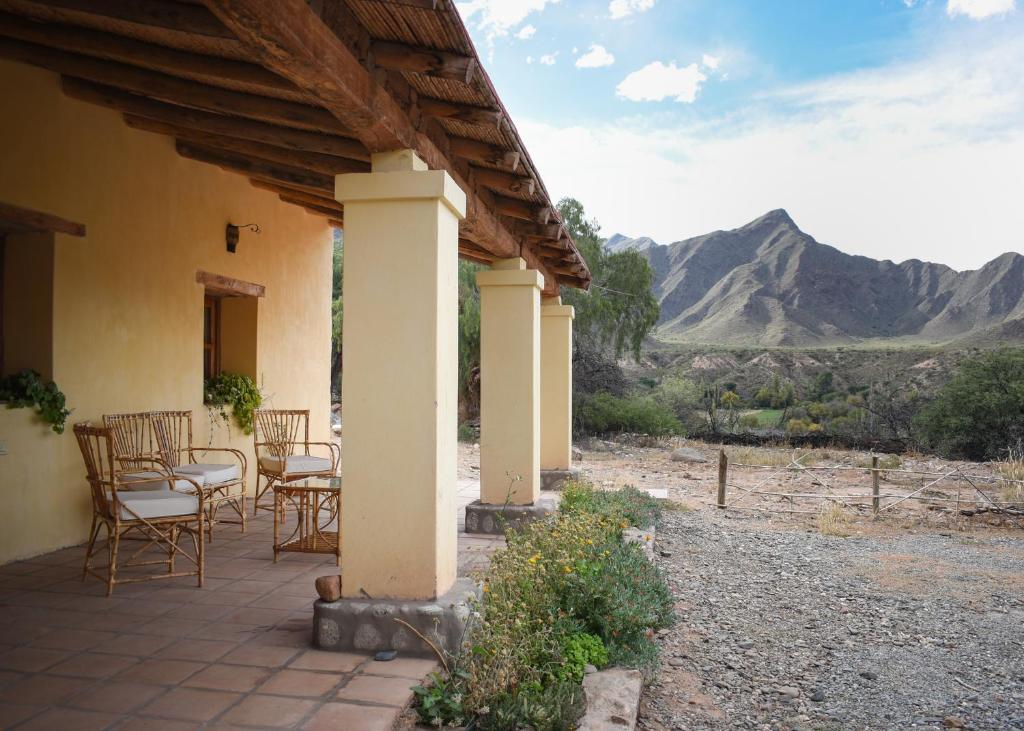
pixel 148 444
pixel 282 445
pixel 223 483
pixel 156 514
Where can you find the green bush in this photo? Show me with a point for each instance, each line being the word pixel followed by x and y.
pixel 633 506
pixel 467 433
pixel 564 592
pixel 26 389
pixel 980 412
pixel 604 413
pixel 578 651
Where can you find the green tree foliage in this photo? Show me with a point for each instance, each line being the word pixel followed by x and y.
pixel 337 311
pixel 980 412
pixel 619 310
pixel 603 413
pixel 469 340
pixel 775 395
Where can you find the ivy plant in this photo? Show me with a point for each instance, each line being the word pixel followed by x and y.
pixel 237 391
pixel 27 389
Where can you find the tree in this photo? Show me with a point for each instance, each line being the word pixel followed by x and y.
pixel 980 412
pixel 619 310
pixel 469 341
pixel 337 311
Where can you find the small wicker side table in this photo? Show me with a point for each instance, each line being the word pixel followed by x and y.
pixel 316 503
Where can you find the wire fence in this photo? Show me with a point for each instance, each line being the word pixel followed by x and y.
pixel 953 489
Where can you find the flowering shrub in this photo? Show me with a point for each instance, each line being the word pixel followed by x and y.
pixel 564 593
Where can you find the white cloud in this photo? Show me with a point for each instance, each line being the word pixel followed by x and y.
pixel 656 81
pixel 919 159
pixel 548 59
pixel 498 17
pixel 529 59
pixel 526 32
pixel 979 9
pixel 621 8
pixel 595 58
pixel 710 61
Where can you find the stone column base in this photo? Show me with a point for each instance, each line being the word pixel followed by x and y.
pixel 556 479
pixel 368 625
pixel 494 519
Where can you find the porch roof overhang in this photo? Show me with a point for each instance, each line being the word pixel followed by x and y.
pixel 290 93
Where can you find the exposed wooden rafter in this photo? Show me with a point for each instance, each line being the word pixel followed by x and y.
pixel 482 152
pixel 231 126
pixel 253 167
pixel 171 88
pixel 16 218
pixel 440 109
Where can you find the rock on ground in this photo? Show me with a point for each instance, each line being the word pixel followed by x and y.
pixel 689 455
pixel 789 629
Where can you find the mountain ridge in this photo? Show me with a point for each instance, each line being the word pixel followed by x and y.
pixel 770 283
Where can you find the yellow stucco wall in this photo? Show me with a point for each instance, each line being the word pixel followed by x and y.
pixel 127 325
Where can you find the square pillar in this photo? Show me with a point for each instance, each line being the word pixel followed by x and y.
pixel 509 383
pixel 400 385
pixel 555 384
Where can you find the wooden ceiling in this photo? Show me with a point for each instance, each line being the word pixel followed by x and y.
pixel 290 93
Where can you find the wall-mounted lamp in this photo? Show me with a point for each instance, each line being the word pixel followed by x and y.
pixel 231 234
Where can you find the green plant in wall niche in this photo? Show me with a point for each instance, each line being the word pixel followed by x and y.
pixel 239 392
pixel 27 388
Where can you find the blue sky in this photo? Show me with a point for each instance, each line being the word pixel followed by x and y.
pixel 890 128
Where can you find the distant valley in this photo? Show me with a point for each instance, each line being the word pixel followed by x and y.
pixel 770 284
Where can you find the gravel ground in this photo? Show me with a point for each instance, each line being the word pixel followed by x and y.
pixel 784 628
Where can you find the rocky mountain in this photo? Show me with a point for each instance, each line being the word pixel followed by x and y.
pixel 769 283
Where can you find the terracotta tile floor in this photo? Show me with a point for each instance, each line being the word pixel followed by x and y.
pixel 167 655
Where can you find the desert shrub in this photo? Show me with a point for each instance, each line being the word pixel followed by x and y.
pixel 980 410
pixel 564 592
pixel 832 520
pixel 604 413
pixel 749 421
pixel 544 708
pixel 467 433
pixel 628 505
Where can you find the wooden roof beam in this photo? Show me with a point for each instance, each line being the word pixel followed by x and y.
pixel 441 109
pixel 482 152
pixel 258 168
pixel 315 161
pixel 305 196
pixel 423 60
pixel 170 88
pixel 239 127
pixel 522 210
pixel 181 17
pixel 293 41
pixel 149 55
pixel 502 182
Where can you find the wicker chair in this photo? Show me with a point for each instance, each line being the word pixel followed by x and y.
pixel 281 440
pixel 156 516
pixel 223 483
pixel 148 444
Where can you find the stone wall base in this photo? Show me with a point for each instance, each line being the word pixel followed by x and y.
pixel 556 479
pixel 368 625
pixel 494 519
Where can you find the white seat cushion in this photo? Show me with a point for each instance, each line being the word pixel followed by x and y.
pixel 296 464
pixel 213 474
pixel 156 504
pixel 128 483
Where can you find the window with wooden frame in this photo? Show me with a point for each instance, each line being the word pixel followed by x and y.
pixel 211 337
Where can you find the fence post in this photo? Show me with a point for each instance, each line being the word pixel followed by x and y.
pixel 874 484
pixel 723 472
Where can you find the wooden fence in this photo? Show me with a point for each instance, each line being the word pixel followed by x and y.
pixel 975 494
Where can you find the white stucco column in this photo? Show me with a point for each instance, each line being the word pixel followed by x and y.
pixel 509 383
pixel 399 390
pixel 555 384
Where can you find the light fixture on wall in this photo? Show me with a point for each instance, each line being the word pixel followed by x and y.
pixel 231 234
